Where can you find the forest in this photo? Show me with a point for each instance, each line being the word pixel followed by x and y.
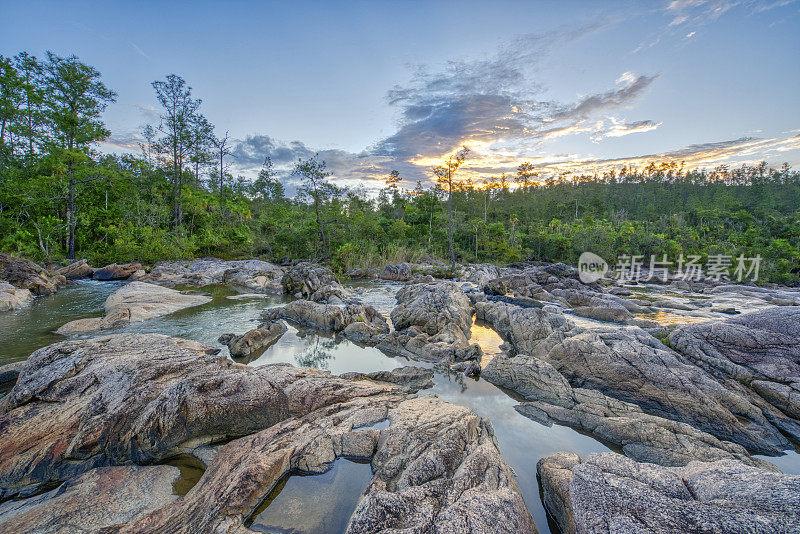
pixel 61 198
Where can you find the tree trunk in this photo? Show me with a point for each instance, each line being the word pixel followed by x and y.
pixel 71 215
pixel 321 226
pixel 450 222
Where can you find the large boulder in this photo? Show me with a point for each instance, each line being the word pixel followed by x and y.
pixel 24 274
pixel 328 317
pixel 431 307
pixel 252 344
pixel 641 436
pixel 253 275
pixel 398 273
pixel 95 500
pixel 135 302
pixel 304 279
pixel 116 271
pixel 760 350
pixel 13 298
pixel 608 493
pixel 77 270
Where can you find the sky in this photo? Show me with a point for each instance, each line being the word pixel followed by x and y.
pixel 570 86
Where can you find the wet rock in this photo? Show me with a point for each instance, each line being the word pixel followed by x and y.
pixel 256 341
pixel 116 271
pixel 610 493
pixel 142 398
pixel 431 307
pixel 435 468
pixel 101 498
pixel 398 273
pixel 135 302
pixel 410 378
pixel 24 274
pixel 306 279
pixel 328 317
pixel 252 275
pixel 77 270
pixel 13 298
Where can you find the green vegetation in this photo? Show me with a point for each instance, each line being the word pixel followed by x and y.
pixel 59 198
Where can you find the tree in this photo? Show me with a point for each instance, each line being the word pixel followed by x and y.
pixel 393 180
pixel 525 174
pixel 444 177
pixel 201 140
pixel 74 100
pixel 11 95
pixel 221 149
pixel 313 173
pixel 265 186
pixel 176 124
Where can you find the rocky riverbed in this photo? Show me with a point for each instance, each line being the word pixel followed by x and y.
pixel 462 395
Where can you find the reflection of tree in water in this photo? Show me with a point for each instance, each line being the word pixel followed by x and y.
pixel 316 352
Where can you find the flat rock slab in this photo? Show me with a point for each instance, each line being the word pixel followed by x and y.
pixel 135 302
pixel 610 493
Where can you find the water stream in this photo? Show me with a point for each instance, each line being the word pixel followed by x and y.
pixel 522 441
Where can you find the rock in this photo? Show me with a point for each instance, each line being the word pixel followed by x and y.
pixel 252 275
pixel 607 315
pixel 142 398
pixel 9 373
pixel 410 378
pixel 632 366
pixel 524 328
pixel 726 311
pixel 13 298
pixel 641 436
pixel 364 333
pixel 24 274
pixel 431 307
pixel 77 270
pixel 307 278
pixel 328 317
pixel 759 349
pixel 610 493
pixel 469 368
pixel 98 499
pixel 116 271
pixel 135 302
pixel 399 273
pixel 253 343
pixel 480 273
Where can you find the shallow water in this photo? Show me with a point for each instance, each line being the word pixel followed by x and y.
pixel 522 441
pixel 319 504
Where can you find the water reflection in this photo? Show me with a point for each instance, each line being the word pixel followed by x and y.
pixel 319 504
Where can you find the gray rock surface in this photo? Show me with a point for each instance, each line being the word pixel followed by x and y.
pixel 328 317
pixel 398 273
pixel 99 499
pixel 253 343
pixel 135 302
pixel 253 275
pixel 431 307
pixel 13 298
pixel 77 270
pixel 410 378
pixel 116 271
pixel 610 493
pixel 305 279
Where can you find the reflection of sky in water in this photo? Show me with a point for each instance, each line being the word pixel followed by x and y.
pixel 522 441
pixel 318 504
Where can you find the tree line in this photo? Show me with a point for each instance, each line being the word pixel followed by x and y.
pixel 177 198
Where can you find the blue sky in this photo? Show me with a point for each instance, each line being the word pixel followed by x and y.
pixel 371 86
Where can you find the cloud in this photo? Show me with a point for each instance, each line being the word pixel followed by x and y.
pixel 705 11
pixel 620 127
